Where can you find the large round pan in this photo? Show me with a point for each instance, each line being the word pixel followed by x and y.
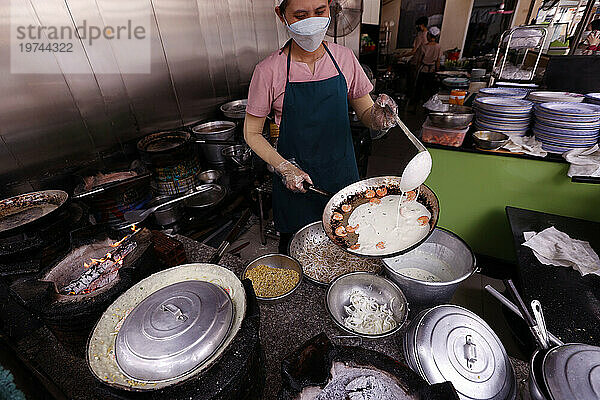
pixel 24 209
pixel 426 197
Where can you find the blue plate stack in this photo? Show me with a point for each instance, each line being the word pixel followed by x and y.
pixel 564 126
pixel 593 98
pixel 503 114
pixel 503 92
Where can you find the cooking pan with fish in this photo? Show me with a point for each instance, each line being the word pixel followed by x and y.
pixel 20 212
pixel 358 189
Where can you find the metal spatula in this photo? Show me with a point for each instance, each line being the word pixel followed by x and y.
pixel 137 216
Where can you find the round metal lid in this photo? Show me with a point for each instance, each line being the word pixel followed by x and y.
pixel 454 344
pixel 173 331
pixel 572 371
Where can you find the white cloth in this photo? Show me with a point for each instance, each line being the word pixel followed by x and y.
pixel 584 162
pixel 553 247
pixel 525 144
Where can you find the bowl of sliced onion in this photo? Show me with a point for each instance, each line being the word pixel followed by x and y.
pixel 366 305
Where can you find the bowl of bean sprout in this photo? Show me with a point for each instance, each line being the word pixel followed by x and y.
pixel 366 305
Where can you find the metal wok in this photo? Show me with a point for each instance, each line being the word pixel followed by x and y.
pixel 426 197
pixel 24 209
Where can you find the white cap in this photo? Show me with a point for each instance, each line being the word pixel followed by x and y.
pixel 278 2
pixel 434 30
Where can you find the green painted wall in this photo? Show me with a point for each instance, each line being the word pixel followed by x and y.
pixel 474 189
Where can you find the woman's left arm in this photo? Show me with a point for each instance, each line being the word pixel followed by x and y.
pixel 375 115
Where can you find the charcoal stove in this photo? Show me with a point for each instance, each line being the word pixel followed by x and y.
pixel 36 247
pixel 70 296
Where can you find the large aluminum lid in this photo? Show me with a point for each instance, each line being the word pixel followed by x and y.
pixel 173 331
pixel 572 371
pixel 454 344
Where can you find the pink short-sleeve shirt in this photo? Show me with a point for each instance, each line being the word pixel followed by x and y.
pixel 267 87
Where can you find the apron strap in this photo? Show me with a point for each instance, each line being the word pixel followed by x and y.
pixel 289 59
pixel 332 59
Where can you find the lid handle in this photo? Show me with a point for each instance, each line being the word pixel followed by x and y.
pixel 470 352
pixel 176 311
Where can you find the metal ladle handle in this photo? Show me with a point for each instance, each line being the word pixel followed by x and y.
pixel 406 131
pixel 512 307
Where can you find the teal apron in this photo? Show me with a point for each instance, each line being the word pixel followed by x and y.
pixel 315 131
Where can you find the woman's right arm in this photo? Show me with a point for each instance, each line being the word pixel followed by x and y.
pixel 292 175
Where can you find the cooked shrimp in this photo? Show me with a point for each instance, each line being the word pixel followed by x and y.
pixel 337 216
pixel 380 245
pixel 355 246
pixel 340 231
pixel 410 196
pixel 351 228
pixel 370 194
pixel 424 220
pixel 375 200
pixel 346 207
pixel 381 192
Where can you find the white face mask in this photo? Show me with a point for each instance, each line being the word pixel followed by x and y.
pixel 308 33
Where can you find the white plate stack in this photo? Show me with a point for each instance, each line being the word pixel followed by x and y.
pixel 563 126
pixel 593 98
pixel 503 92
pixel 503 114
pixel 540 97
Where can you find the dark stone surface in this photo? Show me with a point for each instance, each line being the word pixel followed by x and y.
pixel 571 302
pixel 285 326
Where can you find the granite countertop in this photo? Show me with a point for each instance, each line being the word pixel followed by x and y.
pixel 288 324
pixel 571 302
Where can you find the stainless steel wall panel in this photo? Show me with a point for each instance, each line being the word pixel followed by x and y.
pixel 103 98
pixel 187 57
pixel 244 41
pixel 41 124
pixel 152 98
pixel 201 54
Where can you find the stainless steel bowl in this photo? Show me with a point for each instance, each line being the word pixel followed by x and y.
pixel 378 287
pixel 210 176
pixel 235 109
pixel 489 140
pixel 457 263
pixel 451 119
pixel 239 156
pixel 276 261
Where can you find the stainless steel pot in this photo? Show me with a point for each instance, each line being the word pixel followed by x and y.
pixel 214 131
pixel 444 255
pixel 451 343
pixel 166 215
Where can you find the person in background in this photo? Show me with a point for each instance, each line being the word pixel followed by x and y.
pixel 592 42
pixel 308 83
pixel 421 38
pixel 428 57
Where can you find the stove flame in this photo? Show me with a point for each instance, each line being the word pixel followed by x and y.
pixel 98 272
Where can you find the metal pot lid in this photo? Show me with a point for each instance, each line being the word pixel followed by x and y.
pixel 214 127
pixel 572 371
pixel 454 344
pixel 207 199
pixel 173 331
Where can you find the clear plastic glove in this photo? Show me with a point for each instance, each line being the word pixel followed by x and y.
pixel 292 176
pixel 381 116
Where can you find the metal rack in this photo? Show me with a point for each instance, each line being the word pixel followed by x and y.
pixel 521 39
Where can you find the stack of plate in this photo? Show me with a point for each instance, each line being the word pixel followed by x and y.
pixel 503 114
pixel 551 97
pixel 562 126
pixel 503 92
pixel 592 98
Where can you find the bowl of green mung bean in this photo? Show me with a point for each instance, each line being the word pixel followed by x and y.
pixel 273 276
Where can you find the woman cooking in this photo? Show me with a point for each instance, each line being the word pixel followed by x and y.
pixel 308 84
